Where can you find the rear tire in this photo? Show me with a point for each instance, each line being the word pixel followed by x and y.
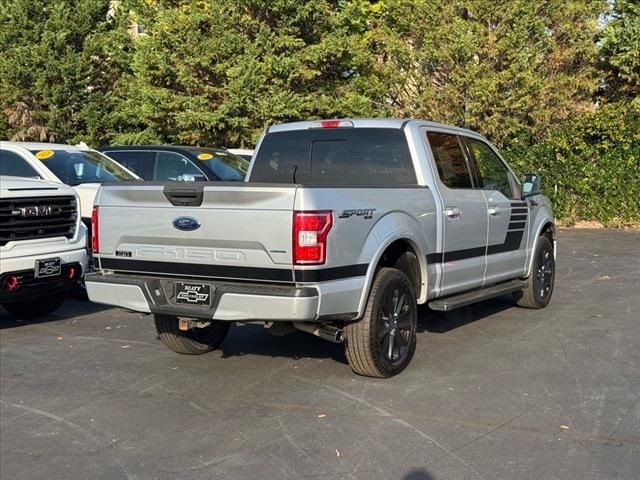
pixel 539 289
pixel 36 307
pixel 191 342
pixel 383 342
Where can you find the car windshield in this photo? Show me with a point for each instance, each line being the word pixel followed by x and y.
pixel 74 167
pixel 224 165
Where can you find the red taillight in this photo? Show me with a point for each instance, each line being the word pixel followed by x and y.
pixel 72 273
pixel 310 230
pixel 95 242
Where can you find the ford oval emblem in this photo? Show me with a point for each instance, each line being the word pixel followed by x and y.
pixel 186 223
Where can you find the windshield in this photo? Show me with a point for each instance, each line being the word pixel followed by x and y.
pixel 224 165
pixel 74 167
pixel 14 165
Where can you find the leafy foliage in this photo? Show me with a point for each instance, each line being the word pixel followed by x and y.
pixel 60 68
pixel 620 51
pixel 505 68
pixel 590 166
pixel 554 84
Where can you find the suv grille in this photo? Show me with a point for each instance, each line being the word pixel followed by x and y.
pixel 37 217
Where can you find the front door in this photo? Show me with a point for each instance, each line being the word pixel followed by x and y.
pixel 464 216
pixel 507 214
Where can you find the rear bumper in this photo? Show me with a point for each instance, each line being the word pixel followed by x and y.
pixel 230 301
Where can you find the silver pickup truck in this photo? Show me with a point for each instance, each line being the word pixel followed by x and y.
pixel 342 228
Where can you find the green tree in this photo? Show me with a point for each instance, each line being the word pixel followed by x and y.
pixel 590 165
pixel 60 69
pixel 620 52
pixel 506 68
pixel 217 72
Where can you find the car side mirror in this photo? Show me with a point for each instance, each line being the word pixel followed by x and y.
pixel 530 185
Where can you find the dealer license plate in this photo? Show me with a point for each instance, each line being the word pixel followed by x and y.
pixel 193 293
pixel 51 267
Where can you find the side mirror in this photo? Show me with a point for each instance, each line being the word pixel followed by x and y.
pixel 530 185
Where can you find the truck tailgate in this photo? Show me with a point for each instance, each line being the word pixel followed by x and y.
pixel 233 231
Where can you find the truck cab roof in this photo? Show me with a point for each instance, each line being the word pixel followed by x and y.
pixel 398 123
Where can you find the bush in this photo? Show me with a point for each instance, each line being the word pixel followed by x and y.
pixel 590 166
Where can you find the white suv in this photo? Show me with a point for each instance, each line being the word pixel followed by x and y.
pixel 79 166
pixel 42 245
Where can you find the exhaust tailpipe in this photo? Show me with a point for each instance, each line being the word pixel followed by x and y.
pixel 326 332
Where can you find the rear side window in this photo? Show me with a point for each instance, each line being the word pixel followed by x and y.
pixel 138 161
pixel 335 157
pixel 450 160
pixel 13 164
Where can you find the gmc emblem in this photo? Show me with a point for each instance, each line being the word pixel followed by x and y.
pixel 38 211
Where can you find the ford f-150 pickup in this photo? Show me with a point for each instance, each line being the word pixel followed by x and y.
pixel 341 229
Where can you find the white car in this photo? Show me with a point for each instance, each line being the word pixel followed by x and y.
pixel 79 166
pixel 43 245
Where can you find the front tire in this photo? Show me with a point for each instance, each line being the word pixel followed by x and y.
pixel 36 307
pixel 191 342
pixel 383 342
pixel 537 293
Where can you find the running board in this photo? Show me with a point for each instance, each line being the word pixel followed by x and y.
pixel 467 298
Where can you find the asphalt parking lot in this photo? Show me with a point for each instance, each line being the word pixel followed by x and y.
pixel 494 392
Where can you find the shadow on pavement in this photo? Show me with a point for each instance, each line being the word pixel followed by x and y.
pixel 256 340
pixel 420 474
pixel 70 309
pixel 443 322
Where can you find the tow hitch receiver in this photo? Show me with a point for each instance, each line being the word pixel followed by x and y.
pixel 185 324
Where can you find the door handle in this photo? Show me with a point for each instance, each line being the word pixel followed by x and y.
pixel 452 212
pixel 495 211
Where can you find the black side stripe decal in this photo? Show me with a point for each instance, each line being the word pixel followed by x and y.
pixel 335 273
pixel 463 254
pixel 232 272
pixel 512 242
pixel 515 232
pixel 198 270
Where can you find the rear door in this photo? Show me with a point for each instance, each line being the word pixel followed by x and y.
pixel 227 231
pixel 507 214
pixel 464 215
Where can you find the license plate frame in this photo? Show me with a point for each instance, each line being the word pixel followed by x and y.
pixel 196 294
pixel 48 268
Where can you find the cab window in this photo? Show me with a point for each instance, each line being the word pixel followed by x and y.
pixel 450 159
pixel 336 157
pixel 494 174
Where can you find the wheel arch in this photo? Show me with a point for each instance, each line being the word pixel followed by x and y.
pixel 392 253
pixel 545 226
